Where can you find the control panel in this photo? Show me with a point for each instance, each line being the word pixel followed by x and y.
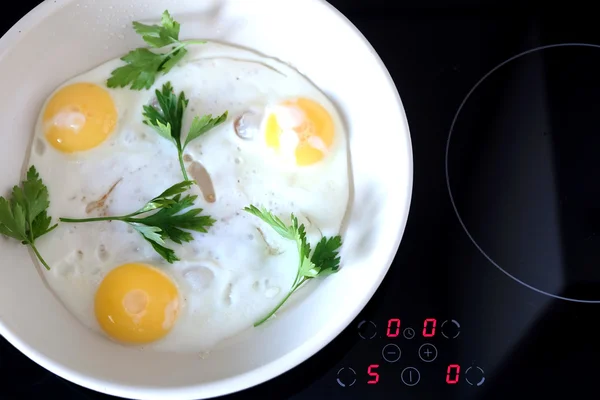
pixel 417 355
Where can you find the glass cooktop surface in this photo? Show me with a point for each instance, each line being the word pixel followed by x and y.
pixel 496 286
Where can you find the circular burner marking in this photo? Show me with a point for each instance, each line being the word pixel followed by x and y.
pixel 452 195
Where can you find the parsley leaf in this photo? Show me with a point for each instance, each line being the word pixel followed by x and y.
pixel 24 217
pixel 324 261
pixel 167 121
pixel 163 200
pixel 201 125
pixel 326 255
pixel 167 222
pixel 159 36
pixel 144 66
pixel 140 71
pixel 280 227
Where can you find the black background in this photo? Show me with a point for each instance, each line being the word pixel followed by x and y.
pixel 436 51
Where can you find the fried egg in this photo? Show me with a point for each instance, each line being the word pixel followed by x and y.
pixel 283 147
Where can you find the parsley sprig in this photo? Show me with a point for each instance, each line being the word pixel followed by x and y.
pixel 162 218
pixel 25 217
pixel 323 262
pixel 143 65
pixel 167 121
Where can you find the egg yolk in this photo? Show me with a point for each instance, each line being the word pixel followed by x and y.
pixel 311 124
pixel 136 304
pixel 79 117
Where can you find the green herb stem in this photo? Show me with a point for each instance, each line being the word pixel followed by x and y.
pixel 97 219
pixel 175 49
pixel 182 44
pixel 123 218
pixel 182 165
pixel 295 287
pixel 39 256
pixel 194 41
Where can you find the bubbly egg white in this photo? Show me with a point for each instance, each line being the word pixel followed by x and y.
pixel 233 275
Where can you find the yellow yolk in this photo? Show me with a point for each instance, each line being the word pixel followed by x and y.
pixel 79 117
pixel 312 125
pixel 136 303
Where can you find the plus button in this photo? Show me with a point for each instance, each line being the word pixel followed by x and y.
pixel 428 352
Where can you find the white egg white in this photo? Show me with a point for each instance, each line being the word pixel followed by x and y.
pixel 233 275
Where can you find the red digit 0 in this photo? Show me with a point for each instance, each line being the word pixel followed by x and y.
pixel 375 375
pixel 429 327
pixel 452 374
pixel 396 332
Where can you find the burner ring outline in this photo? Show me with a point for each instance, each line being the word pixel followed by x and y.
pixel 455 208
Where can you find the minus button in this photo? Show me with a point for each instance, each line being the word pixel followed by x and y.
pixel 391 353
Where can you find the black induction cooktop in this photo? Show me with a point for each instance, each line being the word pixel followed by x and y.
pixel 495 290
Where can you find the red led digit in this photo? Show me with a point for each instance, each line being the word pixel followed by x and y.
pixel 429 327
pixel 375 375
pixel 452 374
pixel 395 323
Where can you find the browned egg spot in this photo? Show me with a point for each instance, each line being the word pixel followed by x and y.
pixel 202 178
pixel 94 205
pixel 272 250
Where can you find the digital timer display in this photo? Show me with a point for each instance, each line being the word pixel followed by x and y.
pixel 429 327
pixel 452 374
pixel 416 354
pixel 372 372
pixel 393 327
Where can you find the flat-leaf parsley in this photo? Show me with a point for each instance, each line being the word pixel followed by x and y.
pixel 167 121
pixel 168 222
pixel 24 217
pixel 324 261
pixel 143 66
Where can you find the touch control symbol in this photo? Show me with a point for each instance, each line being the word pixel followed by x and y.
pixel 428 352
pixel 450 329
pixel 410 376
pixel 367 329
pixel 391 353
pixel 475 376
pixel 346 377
pixel 409 333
